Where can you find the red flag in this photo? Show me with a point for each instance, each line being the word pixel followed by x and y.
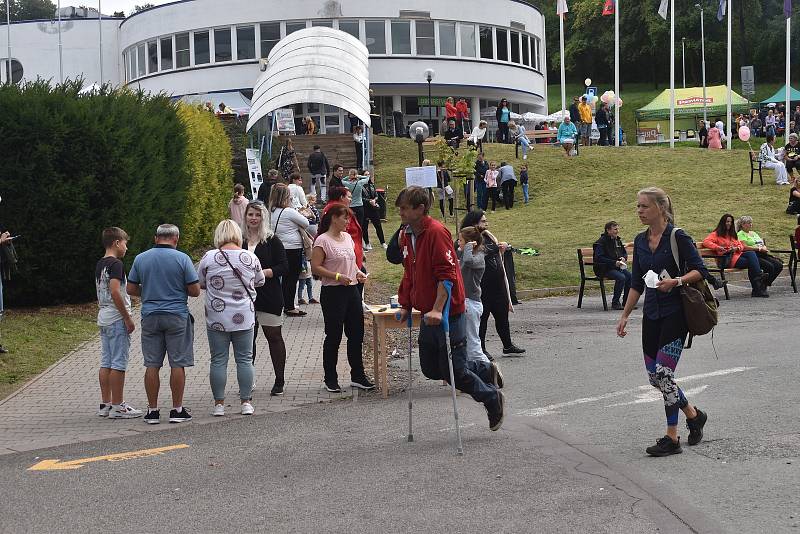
pixel 608 7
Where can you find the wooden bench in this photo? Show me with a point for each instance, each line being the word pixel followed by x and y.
pixel 586 259
pixel 755 166
pixel 709 258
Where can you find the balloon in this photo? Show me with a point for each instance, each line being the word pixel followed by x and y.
pixel 604 97
pixel 619 102
pixel 587 82
pixel 744 133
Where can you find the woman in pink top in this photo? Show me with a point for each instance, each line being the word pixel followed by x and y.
pixel 333 260
pixel 714 138
pixel 491 183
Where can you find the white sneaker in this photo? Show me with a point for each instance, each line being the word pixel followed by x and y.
pixel 247 408
pixel 367 247
pixel 385 246
pixel 218 411
pixel 124 411
pixel 525 156
pixel 103 410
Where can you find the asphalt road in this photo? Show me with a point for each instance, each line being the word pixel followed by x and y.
pixel 570 458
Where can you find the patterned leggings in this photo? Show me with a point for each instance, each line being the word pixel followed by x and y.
pixel 662 343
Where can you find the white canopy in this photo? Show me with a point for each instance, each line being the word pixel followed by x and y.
pixel 315 65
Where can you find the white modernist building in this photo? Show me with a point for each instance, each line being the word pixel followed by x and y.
pixel 479 50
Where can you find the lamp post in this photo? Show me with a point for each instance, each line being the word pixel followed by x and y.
pixel 100 36
pixel 8 36
pixel 60 48
pixel 683 59
pixel 703 53
pixel 429 74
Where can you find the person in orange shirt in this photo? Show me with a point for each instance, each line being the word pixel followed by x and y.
pixel 731 254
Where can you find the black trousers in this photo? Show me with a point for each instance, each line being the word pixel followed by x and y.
pixel 359 156
pixel 372 215
pixel 511 274
pixel 502 132
pixel 358 211
pixel 342 309
pixel 604 136
pixel 508 193
pixel 770 265
pixel 497 307
pixel 494 195
pixel 289 280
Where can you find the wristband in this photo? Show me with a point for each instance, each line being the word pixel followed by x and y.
pixel 337 276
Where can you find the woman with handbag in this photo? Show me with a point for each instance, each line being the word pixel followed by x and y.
pixel 372 212
pixel 771 265
pixel 261 241
pixel 290 226
pixel 731 253
pixel 230 276
pixel 664 328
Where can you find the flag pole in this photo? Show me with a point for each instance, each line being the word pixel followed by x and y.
pixel 788 73
pixel 672 74
pixel 60 48
pixel 616 72
pixel 100 29
pixel 563 77
pixel 729 7
pixel 8 37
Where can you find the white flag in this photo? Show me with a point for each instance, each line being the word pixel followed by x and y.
pixel 663 9
pixel 561 7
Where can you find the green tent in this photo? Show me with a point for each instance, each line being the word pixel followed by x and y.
pixel 780 96
pixel 689 103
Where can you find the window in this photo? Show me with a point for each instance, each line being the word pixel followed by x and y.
pixel 349 26
pixel 222 45
pixel 467 32
pixel 535 52
pixel 447 38
pixel 515 47
pixel 166 53
pixel 270 34
pixel 502 44
pixel 411 104
pixel 376 36
pixel 526 50
pixel 152 57
pixel 332 124
pixel 426 44
pixel 245 42
pixel 324 23
pixel 140 60
pixel 401 37
pixel 131 63
pixel 202 50
pixel 292 27
pixel 487 47
pixel 182 50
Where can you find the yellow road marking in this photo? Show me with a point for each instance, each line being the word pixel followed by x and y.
pixel 57 464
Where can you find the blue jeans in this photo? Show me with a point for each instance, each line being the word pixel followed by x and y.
pixel 472 377
pixel 218 344
pixel 308 285
pixel 525 144
pixel 748 260
pixel 480 192
pixel 525 192
pixel 622 281
pixel 115 344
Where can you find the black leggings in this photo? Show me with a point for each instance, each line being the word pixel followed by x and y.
pixel 499 309
pixel 493 194
pixel 358 211
pixel 372 215
pixel 770 265
pixel 277 351
pixel 508 193
pixel 342 309
pixel 289 280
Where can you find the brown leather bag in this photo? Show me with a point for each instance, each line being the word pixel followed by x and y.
pixel 700 307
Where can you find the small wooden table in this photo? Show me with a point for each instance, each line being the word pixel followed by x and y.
pixel 381 322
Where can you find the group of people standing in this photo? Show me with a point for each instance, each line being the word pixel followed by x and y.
pixel 491 179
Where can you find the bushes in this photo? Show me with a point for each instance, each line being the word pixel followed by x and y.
pixel 73 164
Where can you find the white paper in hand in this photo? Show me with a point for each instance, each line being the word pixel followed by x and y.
pixel 650 279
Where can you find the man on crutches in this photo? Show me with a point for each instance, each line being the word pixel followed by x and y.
pixel 429 260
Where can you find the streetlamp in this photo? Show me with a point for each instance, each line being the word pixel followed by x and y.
pixel 703 52
pixel 683 59
pixel 429 74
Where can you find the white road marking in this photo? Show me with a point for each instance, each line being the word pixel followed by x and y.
pixel 547 410
pixel 654 396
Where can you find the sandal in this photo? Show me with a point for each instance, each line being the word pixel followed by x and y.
pixel 296 313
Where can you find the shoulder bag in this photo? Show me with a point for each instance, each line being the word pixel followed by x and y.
pixel 699 304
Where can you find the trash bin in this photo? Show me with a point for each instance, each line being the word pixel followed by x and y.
pixel 381 203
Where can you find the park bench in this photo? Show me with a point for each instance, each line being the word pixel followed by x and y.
pixel 755 166
pixel 586 259
pixel 532 136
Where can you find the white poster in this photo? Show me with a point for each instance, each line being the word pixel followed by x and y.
pixel 284 119
pixel 253 156
pixel 421 176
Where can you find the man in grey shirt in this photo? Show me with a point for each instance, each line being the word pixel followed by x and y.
pixel 507 181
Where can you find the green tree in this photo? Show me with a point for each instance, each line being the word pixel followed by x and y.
pixel 30 10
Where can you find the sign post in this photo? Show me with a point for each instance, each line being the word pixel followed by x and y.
pixel 253 156
pixel 748 82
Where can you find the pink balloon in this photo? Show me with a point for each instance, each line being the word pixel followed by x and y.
pixel 604 98
pixel 744 133
pixel 619 102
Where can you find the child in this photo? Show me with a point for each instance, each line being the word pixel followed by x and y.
pixel 471 257
pixel 523 179
pixel 491 183
pixel 116 325
pixel 238 204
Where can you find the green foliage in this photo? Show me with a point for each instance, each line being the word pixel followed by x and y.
pixel 29 10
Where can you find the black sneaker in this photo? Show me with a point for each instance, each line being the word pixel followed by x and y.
pixel 362 383
pixel 497 376
pixel 179 417
pixel 333 387
pixel 277 389
pixel 153 417
pixel 496 417
pixel 513 349
pixel 695 427
pixel 3 350
pixel 664 447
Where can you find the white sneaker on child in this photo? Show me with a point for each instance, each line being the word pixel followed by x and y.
pixel 103 410
pixel 124 411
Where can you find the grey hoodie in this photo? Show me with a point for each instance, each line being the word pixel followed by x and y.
pixel 472 266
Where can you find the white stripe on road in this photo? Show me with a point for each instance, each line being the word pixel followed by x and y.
pixel 547 410
pixel 654 396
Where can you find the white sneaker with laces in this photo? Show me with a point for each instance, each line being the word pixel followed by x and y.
pixel 385 246
pixel 218 411
pixel 247 408
pixel 103 410
pixel 124 411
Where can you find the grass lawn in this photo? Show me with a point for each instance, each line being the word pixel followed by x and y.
pixel 38 337
pixel 573 198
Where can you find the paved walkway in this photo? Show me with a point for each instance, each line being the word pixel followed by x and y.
pixel 58 407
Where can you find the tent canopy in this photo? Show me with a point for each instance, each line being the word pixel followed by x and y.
pixel 689 102
pixel 318 65
pixel 780 95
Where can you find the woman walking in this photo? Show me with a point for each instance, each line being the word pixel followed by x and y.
pixel 664 328
pixel 288 225
pixel 333 260
pixel 471 259
pixel 261 241
pixel 287 162
pixel 230 275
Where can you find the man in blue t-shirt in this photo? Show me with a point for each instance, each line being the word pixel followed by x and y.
pixel 164 277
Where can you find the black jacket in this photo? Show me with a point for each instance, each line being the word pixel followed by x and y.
pixel 271 255
pixel 480 170
pixel 574 114
pixel 607 252
pixel 601 118
pixel 318 163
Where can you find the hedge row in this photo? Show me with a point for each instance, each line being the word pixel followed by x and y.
pixel 73 164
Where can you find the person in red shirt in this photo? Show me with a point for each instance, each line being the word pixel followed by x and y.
pixel 342 195
pixel 462 113
pixel 429 259
pixel 450 110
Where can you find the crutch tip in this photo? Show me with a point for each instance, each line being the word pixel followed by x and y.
pixel 410 439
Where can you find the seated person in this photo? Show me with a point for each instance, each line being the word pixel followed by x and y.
pixel 611 261
pixel 752 241
pixel 791 155
pixel 730 253
pixel 769 160
pixel 567 133
pixel 518 134
pixel 756 126
pixel 794 198
pixel 453 135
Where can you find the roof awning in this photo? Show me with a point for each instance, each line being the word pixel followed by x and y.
pixel 315 65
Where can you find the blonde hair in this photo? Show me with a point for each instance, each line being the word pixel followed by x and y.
pixel 227 232
pixel 279 197
pixel 663 201
pixel 426 162
pixel 264 231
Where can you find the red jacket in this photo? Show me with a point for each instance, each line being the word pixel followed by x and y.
pixel 714 242
pixel 430 261
pixel 354 229
pixel 449 110
pixel 462 110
